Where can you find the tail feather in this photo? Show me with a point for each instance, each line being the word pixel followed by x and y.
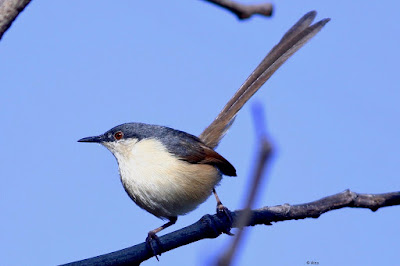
pixel 291 42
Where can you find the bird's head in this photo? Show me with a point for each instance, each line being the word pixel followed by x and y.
pixel 120 139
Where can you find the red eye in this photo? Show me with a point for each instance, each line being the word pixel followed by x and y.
pixel 118 135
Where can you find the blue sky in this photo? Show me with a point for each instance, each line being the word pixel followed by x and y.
pixel 72 69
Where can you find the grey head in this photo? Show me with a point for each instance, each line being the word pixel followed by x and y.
pixel 168 136
pixel 177 142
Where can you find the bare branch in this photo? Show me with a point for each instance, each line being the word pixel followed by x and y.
pixel 314 209
pixel 9 10
pixel 244 11
pixel 211 226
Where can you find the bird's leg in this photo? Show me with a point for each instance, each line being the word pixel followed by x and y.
pixel 152 236
pixel 222 209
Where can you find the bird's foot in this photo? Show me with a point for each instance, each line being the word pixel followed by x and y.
pixel 150 240
pixel 222 210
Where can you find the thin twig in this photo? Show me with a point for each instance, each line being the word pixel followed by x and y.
pixel 211 226
pixel 243 11
pixel 9 10
pixel 263 158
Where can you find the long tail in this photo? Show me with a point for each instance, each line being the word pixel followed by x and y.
pixel 292 41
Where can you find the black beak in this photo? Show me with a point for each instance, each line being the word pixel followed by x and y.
pixel 96 139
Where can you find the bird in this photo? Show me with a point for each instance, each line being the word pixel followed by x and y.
pixel 165 171
pixel 168 172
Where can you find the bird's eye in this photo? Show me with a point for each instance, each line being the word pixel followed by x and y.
pixel 118 135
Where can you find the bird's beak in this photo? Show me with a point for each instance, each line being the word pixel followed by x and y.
pixel 96 139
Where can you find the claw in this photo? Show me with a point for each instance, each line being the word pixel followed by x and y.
pixel 151 237
pixel 221 209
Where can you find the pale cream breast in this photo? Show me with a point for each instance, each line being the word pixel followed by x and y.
pixel 158 181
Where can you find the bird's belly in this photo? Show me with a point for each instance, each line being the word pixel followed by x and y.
pixel 166 186
pixel 167 193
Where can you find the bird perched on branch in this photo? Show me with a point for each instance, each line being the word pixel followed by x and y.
pixel 168 172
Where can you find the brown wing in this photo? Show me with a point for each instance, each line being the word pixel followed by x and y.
pixel 205 155
pixel 214 158
pixel 191 149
